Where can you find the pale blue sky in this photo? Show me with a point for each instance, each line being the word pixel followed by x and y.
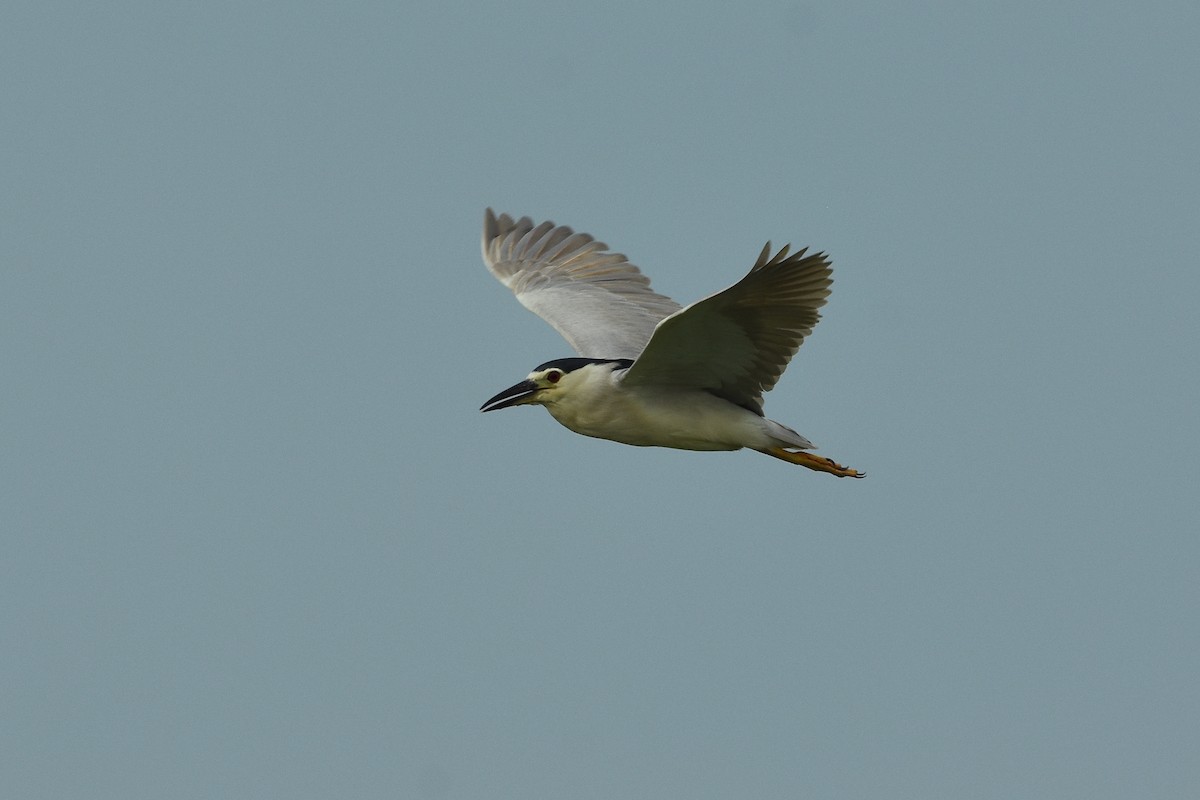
pixel 258 542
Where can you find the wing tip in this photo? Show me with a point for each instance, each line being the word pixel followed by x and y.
pixel 785 256
pixel 491 226
pixel 501 232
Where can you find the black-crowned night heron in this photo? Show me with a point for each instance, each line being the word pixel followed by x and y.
pixel 650 373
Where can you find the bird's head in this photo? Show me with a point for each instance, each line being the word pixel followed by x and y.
pixel 551 381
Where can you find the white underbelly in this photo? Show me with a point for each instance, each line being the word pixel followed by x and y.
pixel 691 421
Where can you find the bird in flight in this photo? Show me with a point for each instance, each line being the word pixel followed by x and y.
pixel 648 372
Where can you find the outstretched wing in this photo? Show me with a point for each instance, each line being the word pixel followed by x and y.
pixel 737 343
pixel 600 303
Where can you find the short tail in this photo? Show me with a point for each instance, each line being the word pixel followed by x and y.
pixel 786 437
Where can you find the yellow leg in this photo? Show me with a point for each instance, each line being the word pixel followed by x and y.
pixel 819 463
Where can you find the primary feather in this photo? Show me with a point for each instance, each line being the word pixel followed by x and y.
pixel 599 302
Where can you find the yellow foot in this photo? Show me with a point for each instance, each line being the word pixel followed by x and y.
pixel 819 463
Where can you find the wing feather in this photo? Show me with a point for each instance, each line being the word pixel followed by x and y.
pixel 736 343
pixel 599 302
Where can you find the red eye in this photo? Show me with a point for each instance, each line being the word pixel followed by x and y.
pixel 554 376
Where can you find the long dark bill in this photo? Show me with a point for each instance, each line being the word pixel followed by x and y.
pixel 512 396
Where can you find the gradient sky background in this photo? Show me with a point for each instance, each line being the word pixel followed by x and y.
pixel 258 542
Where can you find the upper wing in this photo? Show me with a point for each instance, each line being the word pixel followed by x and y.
pixel 600 303
pixel 737 343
